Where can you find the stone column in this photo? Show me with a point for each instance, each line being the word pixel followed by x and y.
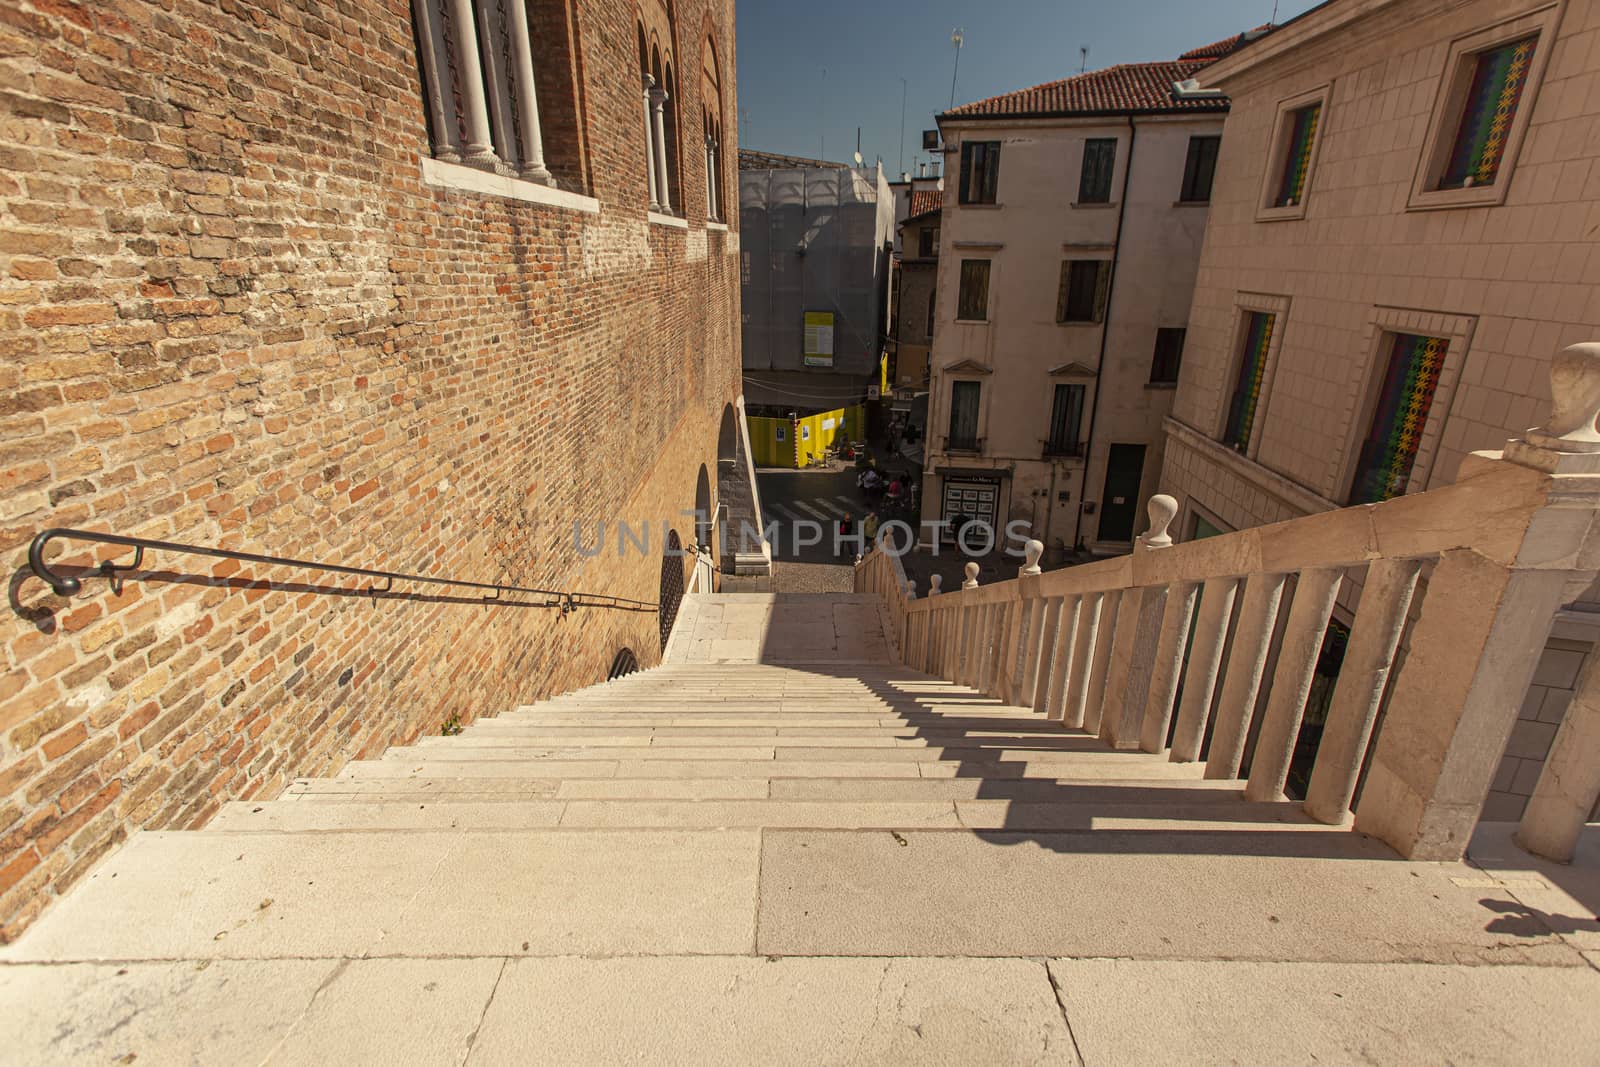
pixel 650 144
pixel 1314 594
pixel 658 101
pixel 435 80
pixel 533 168
pixel 1570 782
pixel 1252 639
pixel 1114 606
pixel 479 149
pixel 1385 600
pixel 1168 666
pixel 1205 662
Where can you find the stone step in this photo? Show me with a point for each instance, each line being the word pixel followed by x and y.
pixel 876 737
pixel 1218 814
pixel 1004 750
pixel 187 895
pixel 1096 765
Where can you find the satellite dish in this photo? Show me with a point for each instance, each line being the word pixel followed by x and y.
pixel 858 159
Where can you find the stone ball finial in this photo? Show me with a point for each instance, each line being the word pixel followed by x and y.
pixel 1162 509
pixel 1574 401
pixel 971 570
pixel 1030 554
pixel 935 581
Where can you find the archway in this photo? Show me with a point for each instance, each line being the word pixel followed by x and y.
pixel 672 562
pixel 624 662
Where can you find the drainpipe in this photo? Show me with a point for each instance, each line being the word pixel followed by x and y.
pixel 1105 333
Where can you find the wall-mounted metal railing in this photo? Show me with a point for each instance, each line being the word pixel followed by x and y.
pixel 63 584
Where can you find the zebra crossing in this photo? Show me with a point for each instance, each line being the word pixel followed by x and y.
pixel 816 509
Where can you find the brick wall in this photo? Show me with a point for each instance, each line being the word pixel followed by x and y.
pixel 234 313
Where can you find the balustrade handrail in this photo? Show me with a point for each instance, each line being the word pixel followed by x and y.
pixel 1209 650
pixel 68 585
pixel 1478 512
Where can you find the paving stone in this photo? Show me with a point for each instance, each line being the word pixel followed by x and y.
pixel 787 1011
pixel 1237 1012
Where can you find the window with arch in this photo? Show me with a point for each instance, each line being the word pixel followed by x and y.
pixel 499 86
pixel 658 75
pixel 711 118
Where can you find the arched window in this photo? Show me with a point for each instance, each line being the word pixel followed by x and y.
pixel 656 73
pixel 711 119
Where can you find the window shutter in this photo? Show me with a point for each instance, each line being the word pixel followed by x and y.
pixel 991 184
pixel 1062 290
pixel 1102 290
pixel 966 173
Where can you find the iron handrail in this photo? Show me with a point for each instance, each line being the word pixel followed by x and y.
pixel 67 585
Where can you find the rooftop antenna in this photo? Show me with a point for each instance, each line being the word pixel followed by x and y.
pixel 1083 58
pixel 822 138
pixel 901 169
pixel 957 36
pixel 1274 19
pixel 858 146
pixel 744 117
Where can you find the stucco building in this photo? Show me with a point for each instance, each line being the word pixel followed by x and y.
pixel 339 286
pixel 1403 231
pixel 915 287
pixel 1071 226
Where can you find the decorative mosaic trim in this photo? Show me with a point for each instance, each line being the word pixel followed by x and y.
pixel 1497 83
pixel 1297 156
pixel 1252 368
pixel 1390 447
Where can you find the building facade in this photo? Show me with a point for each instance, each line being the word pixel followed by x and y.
pixel 815 265
pixel 365 287
pixel 1071 226
pixel 915 289
pixel 1403 232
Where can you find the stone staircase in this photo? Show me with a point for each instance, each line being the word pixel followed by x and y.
pixel 777 846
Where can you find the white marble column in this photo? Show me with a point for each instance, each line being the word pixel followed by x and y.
pixel 479 147
pixel 650 143
pixel 533 168
pixel 435 79
pixel 658 101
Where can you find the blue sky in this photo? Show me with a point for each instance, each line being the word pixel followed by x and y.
pixel 866 46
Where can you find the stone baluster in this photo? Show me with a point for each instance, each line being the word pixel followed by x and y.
pixel 1168 665
pixel 533 168
pixel 1205 662
pixel 1066 644
pixel 658 105
pixel 650 144
pixel 1113 604
pixel 1314 595
pixel 1074 705
pixel 1045 664
pixel 436 80
pixel 1570 783
pixel 1138 636
pixel 1252 640
pixel 479 148
pixel 1385 600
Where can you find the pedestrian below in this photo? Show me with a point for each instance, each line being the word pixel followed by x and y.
pixel 869 530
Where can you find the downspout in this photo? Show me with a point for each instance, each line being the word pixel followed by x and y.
pixel 1105 333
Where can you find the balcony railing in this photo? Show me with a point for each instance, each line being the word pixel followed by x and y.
pixel 963 444
pixel 1470 575
pixel 1062 449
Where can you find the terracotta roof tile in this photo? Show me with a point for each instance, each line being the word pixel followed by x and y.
pixel 1129 87
pixel 925 200
pixel 1228 45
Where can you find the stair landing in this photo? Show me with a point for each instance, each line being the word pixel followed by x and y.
pixel 787 849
